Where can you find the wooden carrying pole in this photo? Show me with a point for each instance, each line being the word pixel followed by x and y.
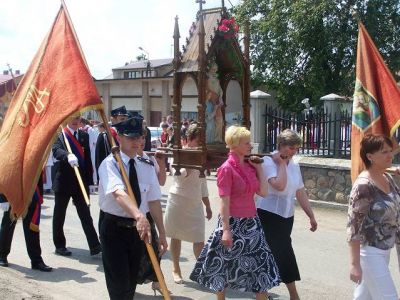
pixel 150 250
pixel 76 169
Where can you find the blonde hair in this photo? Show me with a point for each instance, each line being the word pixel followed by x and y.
pixel 234 134
pixel 289 137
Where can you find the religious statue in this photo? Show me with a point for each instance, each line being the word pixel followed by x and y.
pixel 214 104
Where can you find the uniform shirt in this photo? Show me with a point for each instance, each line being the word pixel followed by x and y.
pixel 154 160
pixel 111 181
pixel 145 183
pixel 281 202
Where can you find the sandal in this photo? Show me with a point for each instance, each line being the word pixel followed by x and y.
pixel 177 278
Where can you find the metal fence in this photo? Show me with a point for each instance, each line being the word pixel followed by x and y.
pixel 323 134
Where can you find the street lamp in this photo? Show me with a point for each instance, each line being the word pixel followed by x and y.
pixel 148 55
pixel 306 102
pixel 148 61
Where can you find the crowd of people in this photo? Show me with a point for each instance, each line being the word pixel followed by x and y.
pixel 250 248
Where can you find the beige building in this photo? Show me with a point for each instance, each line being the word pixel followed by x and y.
pixel 146 87
pixel 8 85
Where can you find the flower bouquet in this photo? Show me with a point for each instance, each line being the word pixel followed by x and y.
pixel 228 28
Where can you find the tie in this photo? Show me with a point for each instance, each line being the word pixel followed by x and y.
pixel 133 180
pixel 76 135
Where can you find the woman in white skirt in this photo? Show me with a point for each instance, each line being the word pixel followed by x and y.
pixel 184 215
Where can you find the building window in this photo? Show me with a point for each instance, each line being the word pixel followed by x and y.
pixel 132 74
pixel 147 73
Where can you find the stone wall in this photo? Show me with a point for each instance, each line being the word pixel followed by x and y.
pixel 326 179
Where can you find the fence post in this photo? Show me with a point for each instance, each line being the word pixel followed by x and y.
pixel 258 103
pixel 332 104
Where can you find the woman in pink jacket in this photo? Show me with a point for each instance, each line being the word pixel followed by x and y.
pixel 236 255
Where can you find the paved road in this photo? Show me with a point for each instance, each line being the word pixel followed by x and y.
pixel 322 258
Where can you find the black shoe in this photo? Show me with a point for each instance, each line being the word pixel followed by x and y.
pixel 95 250
pixel 63 251
pixel 3 262
pixel 41 266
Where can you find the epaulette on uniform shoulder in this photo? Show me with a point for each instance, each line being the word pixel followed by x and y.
pixel 145 160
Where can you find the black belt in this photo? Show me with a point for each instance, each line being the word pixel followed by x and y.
pixel 120 221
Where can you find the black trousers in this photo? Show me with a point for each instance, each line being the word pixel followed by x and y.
pixel 101 217
pixel 122 251
pixel 277 232
pixel 32 238
pixel 60 208
pixel 146 270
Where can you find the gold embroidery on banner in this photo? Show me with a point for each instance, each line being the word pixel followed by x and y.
pixel 36 98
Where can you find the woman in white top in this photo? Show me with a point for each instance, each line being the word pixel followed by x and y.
pixel 184 215
pixel 276 210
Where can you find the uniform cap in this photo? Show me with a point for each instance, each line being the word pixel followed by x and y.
pixel 119 111
pixel 131 127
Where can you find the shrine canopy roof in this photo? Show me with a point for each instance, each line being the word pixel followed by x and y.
pixel 212 17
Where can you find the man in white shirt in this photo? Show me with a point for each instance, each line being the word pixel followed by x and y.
pixel 124 225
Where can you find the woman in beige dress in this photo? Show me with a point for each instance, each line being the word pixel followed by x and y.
pixel 184 216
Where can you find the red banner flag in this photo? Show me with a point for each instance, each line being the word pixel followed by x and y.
pixel 57 85
pixel 376 106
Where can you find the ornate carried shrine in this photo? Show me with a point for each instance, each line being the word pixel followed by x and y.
pixel 212 57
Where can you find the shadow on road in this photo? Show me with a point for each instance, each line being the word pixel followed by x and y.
pixel 232 294
pixel 196 286
pixel 139 296
pixel 84 257
pixel 57 275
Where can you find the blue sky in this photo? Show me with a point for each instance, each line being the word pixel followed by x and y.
pixel 110 31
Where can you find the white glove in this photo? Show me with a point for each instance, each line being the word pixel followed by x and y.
pixel 4 206
pixel 73 160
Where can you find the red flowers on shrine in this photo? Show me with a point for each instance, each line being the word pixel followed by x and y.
pixel 228 28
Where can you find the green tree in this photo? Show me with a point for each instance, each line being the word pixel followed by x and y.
pixel 307 48
pixel 141 57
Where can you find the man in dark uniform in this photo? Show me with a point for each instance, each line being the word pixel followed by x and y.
pixel 103 147
pixel 124 225
pixel 31 231
pixel 65 186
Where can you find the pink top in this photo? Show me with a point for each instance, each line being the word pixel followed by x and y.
pixel 239 182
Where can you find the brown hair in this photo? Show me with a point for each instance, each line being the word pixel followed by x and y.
pixel 85 121
pixel 289 137
pixel 192 132
pixel 372 143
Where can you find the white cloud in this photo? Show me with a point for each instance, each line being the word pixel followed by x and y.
pixel 110 31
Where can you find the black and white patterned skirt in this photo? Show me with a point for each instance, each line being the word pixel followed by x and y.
pixel 248 266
